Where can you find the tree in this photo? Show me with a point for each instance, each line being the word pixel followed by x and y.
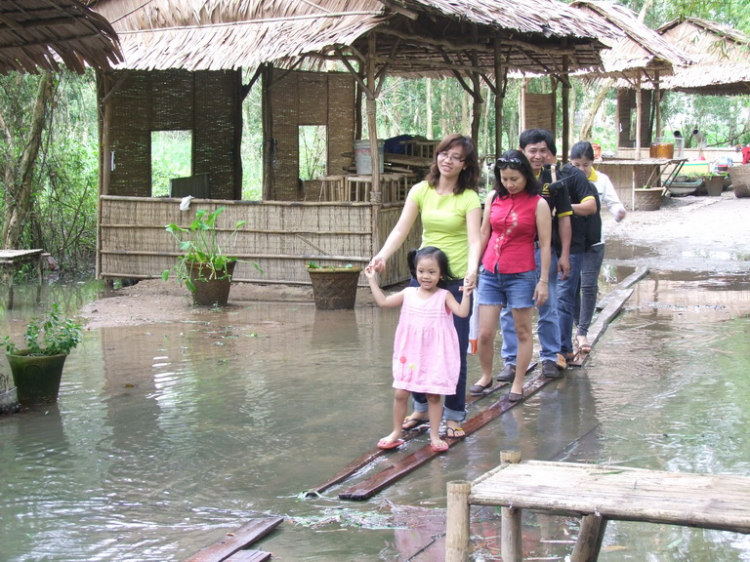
pixel 23 140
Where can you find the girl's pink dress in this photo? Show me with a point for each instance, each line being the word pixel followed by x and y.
pixel 425 352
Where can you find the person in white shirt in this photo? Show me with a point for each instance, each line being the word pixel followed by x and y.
pixel 582 157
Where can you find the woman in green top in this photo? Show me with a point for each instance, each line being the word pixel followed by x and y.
pixel 448 205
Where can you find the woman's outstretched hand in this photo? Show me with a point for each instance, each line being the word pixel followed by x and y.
pixel 378 264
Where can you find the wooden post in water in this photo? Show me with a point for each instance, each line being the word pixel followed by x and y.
pixel 590 538
pixel 510 532
pixel 457 522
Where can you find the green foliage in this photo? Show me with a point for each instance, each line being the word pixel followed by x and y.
pixel 48 334
pixel 199 243
pixel 314 265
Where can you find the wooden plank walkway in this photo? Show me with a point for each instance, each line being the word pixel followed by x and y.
pixel 359 463
pixel 230 547
pixel 597 493
pixel 367 488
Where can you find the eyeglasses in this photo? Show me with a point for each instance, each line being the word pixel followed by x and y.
pixel 452 157
pixel 513 163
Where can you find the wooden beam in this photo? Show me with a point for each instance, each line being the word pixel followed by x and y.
pixel 232 542
pixel 381 480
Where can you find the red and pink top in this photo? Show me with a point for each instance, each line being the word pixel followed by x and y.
pixel 511 245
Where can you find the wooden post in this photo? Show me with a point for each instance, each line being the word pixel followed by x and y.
pixel 638 117
pixel 372 130
pixel 458 527
pixel 565 107
pixel 657 106
pixel 499 99
pixel 590 539
pixel 510 531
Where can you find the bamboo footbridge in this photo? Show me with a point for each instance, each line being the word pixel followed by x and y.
pixel 598 494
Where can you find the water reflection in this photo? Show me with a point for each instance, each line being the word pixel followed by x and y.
pixel 166 436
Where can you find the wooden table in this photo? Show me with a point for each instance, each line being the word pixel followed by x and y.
pixel 11 261
pixel 627 175
pixel 598 494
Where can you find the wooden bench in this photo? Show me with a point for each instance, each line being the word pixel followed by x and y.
pixel 12 260
pixel 597 494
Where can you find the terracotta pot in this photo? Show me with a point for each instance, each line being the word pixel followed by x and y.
pixel 210 292
pixel 37 378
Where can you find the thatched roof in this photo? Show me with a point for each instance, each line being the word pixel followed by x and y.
pixel 640 51
pixel 414 37
pixel 45 34
pixel 722 57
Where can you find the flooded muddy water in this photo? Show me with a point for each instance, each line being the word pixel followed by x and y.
pixel 168 435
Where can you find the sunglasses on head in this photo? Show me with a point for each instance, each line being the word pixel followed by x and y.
pixel 513 163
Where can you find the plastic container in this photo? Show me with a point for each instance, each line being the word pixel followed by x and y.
pixel 362 158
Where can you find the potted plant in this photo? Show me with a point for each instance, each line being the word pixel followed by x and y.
pixel 37 367
pixel 334 287
pixel 715 183
pixel 204 267
pixel 648 198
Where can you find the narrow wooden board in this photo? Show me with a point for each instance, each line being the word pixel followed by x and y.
pixel 616 299
pixel 367 488
pixel 233 542
pixel 629 281
pixel 359 463
pixel 249 556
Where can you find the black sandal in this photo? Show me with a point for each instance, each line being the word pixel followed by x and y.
pixel 411 423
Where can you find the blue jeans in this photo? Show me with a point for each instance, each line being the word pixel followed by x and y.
pixel 455 404
pixel 588 288
pixel 547 329
pixel 566 303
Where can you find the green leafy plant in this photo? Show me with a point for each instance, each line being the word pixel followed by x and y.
pixel 199 244
pixel 47 334
pixel 313 265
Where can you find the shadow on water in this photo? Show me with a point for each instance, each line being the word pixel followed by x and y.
pixel 167 436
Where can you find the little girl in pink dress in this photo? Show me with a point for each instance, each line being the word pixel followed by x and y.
pixel 425 353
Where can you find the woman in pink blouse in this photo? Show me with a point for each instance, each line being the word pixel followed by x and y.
pixel 516 218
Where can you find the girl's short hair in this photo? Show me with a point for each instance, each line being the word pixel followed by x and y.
pixel 582 149
pixel 414 256
pixel 516 160
pixel 469 176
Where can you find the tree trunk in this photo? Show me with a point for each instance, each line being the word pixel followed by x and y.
pixel 601 94
pixel 19 188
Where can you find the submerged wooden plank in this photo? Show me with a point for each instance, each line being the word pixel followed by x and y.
pixel 233 542
pixel 249 556
pixel 359 463
pixel 629 281
pixel 709 501
pixel 371 486
pixel 615 302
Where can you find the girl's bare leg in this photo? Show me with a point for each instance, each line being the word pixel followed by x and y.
pixel 488 318
pixel 400 404
pixel 435 412
pixel 522 319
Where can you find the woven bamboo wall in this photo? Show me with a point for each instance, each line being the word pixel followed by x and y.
pixel 309 98
pixel 280 237
pixel 208 103
pixel 539 111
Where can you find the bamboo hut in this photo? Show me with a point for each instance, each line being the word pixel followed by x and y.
pixel 181 70
pixel 639 56
pixel 42 35
pixel 721 54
